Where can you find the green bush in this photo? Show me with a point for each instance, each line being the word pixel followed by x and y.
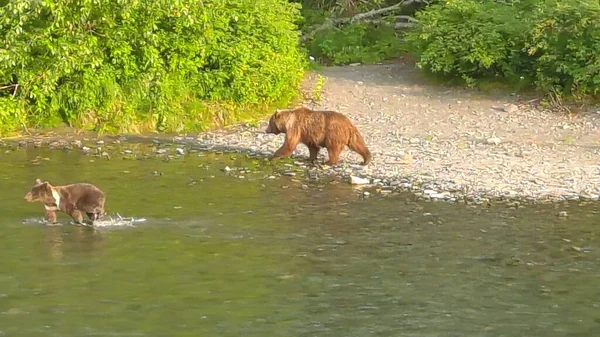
pixel 543 44
pixel 470 40
pixel 565 44
pixel 136 65
pixel 365 42
pixel 356 43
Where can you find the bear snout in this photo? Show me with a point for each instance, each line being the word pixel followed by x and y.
pixel 270 130
pixel 28 196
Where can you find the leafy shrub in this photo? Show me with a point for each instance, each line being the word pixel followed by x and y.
pixel 357 43
pixel 366 42
pixel 470 39
pixel 565 43
pixel 134 65
pixel 545 44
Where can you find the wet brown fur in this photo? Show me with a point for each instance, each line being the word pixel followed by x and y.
pixel 75 199
pixel 317 129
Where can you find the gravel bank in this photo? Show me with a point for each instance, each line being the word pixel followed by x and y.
pixel 447 143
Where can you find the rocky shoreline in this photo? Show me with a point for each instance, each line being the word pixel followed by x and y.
pixel 381 177
pixel 384 174
pixel 438 143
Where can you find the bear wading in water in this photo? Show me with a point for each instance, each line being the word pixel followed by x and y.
pixel 317 129
pixel 73 199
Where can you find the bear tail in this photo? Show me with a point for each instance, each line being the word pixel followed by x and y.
pixel 357 144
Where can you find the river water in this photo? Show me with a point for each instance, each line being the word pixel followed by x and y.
pixel 221 255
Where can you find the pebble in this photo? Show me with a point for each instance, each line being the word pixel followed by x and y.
pixel 562 214
pixel 354 180
pixel 227 169
pixel 494 140
pixel 511 108
pixel 437 196
pixel 589 196
pixel 180 151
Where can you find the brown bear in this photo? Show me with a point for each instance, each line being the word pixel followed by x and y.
pixel 317 129
pixel 73 199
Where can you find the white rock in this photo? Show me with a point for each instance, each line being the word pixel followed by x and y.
pixel 494 140
pixel 589 196
pixel 511 108
pixel 227 169
pixel 354 180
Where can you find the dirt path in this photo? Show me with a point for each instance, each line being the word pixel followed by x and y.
pixel 448 142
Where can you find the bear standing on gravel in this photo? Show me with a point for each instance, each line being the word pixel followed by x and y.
pixel 73 199
pixel 317 129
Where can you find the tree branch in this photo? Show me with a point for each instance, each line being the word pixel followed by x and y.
pixel 15 86
pixel 8 86
pixel 362 16
pixel 402 21
pixel 373 12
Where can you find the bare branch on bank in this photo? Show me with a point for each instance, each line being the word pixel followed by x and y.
pixel 364 16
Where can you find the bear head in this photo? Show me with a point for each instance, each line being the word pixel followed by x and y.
pixel 277 122
pixel 42 191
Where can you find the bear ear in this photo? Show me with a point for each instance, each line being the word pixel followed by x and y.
pixel 279 112
pixel 38 181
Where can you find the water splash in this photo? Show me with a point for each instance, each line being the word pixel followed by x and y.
pixel 118 221
pixel 107 221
